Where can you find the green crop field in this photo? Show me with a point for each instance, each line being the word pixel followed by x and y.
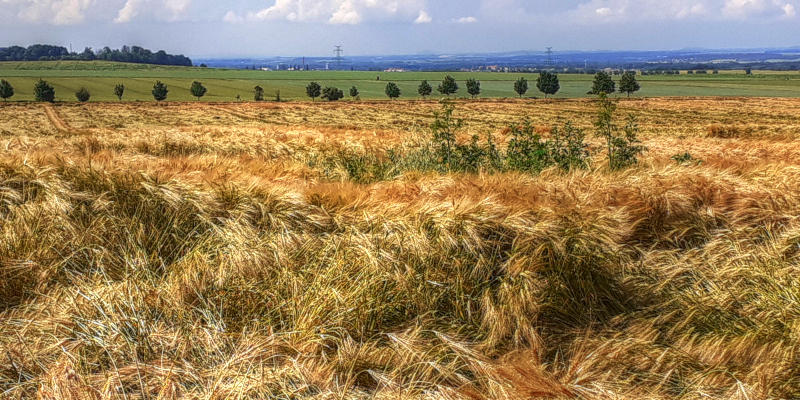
pixel 225 84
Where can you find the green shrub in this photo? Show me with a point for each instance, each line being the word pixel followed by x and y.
pixel 622 148
pixel 526 150
pixel 119 91
pixel 198 90
pixel 160 91
pixel 332 94
pixel 43 91
pixel 567 147
pixel 83 95
pixel 6 90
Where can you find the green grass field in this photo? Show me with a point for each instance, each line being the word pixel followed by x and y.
pixel 225 84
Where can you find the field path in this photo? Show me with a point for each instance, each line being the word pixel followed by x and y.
pixel 52 115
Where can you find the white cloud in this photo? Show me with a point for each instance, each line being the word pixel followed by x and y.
pixel 349 12
pixel 466 20
pixel 232 18
pixel 174 9
pixel 623 10
pixel 603 11
pixel 424 18
pixel 743 9
pixel 57 12
pixel 346 14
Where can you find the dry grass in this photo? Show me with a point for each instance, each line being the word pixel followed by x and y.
pixel 184 251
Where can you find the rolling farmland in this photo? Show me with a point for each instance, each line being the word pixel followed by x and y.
pixel 286 250
pixel 224 85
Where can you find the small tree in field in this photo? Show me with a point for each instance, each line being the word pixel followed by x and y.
pixel 6 90
pixel 313 90
pixel 198 90
pixel 547 83
pixel 425 89
pixel 332 94
pixel 392 90
pixel 83 95
pixel 473 87
pixel 448 86
pixel 521 86
pixel 258 93
pixel 354 92
pixel 603 83
pixel 119 91
pixel 43 91
pixel 623 148
pixel 160 91
pixel 628 83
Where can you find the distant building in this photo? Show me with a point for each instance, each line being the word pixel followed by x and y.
pixel 394 70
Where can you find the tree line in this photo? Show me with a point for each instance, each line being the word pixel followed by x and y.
pixel 547 83
pixel 43 91
pixel 129 54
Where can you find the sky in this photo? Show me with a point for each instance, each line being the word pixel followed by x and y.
pixel 253 28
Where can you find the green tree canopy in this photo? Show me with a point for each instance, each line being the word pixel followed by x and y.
pixel 6 90
pixel 521 86
pixel 198 90
pixel 547 83
pixel 425 89
pixel 473 87
pixel 83 95
pixel 119 91
pixel 258 93
pixel 354 92
pixel 43 91
pixel 313 90
pixel 603 83
pixel 332 94
pixel 448 86
pixel 392 90
pixel 628 83
pixel 160 91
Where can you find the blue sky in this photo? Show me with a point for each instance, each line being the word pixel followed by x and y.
pixel 312 27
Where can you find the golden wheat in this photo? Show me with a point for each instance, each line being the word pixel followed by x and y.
pixel 185 251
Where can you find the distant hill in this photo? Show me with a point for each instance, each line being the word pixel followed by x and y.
pixel 784 59
pixel 128 54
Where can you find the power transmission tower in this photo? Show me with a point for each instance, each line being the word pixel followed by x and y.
pixel 549 61
pixel 338 51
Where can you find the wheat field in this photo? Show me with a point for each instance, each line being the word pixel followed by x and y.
pixel 223 251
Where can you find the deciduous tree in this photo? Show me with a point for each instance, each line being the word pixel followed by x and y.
pixel 547 83
pixel 425 89
pixel 603 83
pixel 198 90
pixel 160 91
pixel 392 90
pixel 43 91
pixel 313 90
pixel 473 87
pixel 521 86
pixel 6 90
pixel 628 83
pixel 83 95
pixel 119 91
pixel 448 86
